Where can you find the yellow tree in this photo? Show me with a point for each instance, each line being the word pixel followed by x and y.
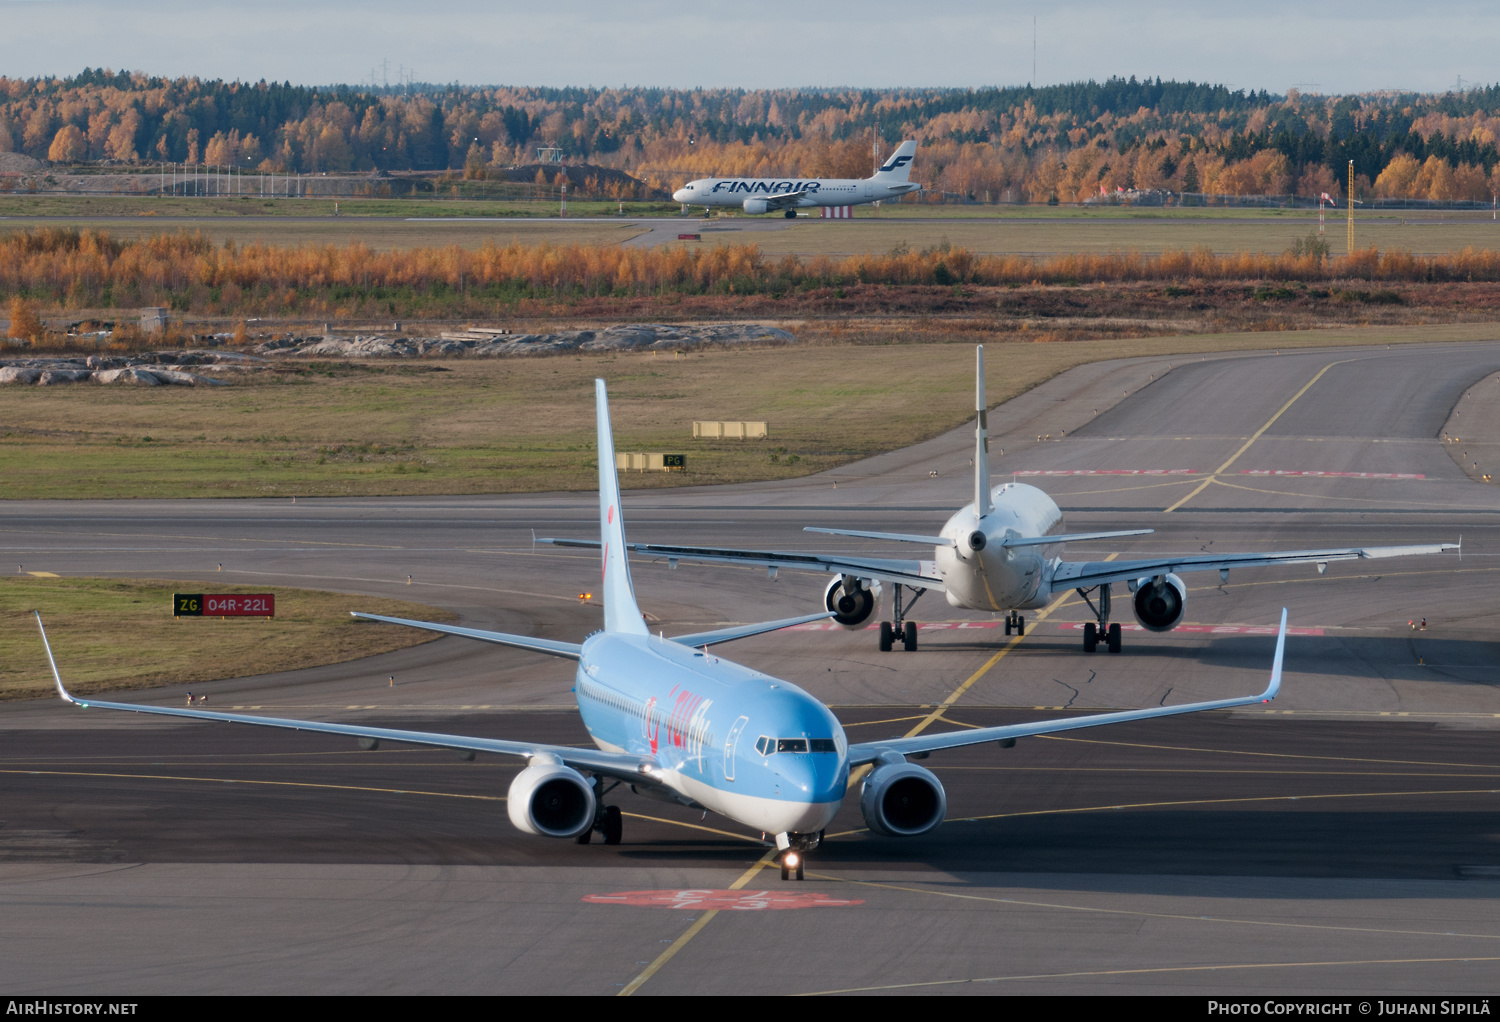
pixel 24 322
pixel 68 146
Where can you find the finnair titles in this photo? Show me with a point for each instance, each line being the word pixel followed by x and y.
pixel 770 195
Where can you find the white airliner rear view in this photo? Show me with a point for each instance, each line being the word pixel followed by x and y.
pixel 787 195
pixel 677 723
pixel 1003 553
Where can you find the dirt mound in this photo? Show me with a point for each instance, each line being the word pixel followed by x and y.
pixel 18 163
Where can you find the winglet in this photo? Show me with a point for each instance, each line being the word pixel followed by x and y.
pixel 55 675
pixel 1275 684
pixel 982 504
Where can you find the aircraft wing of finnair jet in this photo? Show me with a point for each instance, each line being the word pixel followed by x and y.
pixel 573 650
pixel 870 752
pixel 921 574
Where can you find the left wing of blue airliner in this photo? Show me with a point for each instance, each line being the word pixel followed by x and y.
pixel 610 764
pixel 869 752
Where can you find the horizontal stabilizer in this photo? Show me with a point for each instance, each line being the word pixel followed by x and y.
pixel 894 537
pixel 1073 537
pixel 570 650
pixel 745 631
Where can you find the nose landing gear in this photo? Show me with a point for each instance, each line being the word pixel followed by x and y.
pixel 1016 621
pixel 794 849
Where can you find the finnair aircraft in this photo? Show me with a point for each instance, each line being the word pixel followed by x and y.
pixel 1003 553
pixel 771 195
pixel 677 723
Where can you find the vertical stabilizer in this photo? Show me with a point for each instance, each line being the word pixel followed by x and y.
pixel 982 504
pixel 898 167
pixel 620 611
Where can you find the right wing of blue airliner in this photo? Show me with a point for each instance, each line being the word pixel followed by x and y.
pixel 869 752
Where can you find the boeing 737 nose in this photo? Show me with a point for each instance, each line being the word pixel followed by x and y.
pixel 681 195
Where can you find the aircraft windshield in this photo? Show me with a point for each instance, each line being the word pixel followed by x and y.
pixel 770 746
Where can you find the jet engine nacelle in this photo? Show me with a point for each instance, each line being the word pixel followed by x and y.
pixel 851 609
pixel 551 800
pixel 756 205
pixel 1159 608
pixel 902 800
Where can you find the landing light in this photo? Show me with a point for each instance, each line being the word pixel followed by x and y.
pixel 791 860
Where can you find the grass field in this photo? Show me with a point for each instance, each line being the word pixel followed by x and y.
pixel 1111 234
pixel 112 634
pixel 517 425
pixel 916 227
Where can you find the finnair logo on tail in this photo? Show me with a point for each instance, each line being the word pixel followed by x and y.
pixel 895 164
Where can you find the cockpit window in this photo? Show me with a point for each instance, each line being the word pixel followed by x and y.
pixel 791 745
pixel 764 745
pixel 823 745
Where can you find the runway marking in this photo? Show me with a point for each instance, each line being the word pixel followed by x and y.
pixel 868 723
pixel 1342 475
pixel 1141 914
pixel 721 901
pixel 696 826
pixel 958 693
pixel 1256 436
pixel 696 928
pixel 1406 505
pixel 1192 802
pixel 1149 971
pixel 1077 626
pixel 1269 755
pixel 1106 472
pixel 1222 801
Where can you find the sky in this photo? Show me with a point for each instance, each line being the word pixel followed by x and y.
pixel 1333 47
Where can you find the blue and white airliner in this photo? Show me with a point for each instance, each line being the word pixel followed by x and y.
pixel 891 180
pixel 678 723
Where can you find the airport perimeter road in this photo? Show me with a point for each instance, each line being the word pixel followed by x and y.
pixel 1340 839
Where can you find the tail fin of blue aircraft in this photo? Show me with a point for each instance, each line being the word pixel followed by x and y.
pixel 898 166
pixel 621 614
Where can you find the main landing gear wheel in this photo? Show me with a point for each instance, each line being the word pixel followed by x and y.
pixel 610 825
pixel 791 214
pixel 1099 630
pixel 898 629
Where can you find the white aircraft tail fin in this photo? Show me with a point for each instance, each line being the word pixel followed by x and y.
pixel 898 167
pixel 621 614
pixel 982 504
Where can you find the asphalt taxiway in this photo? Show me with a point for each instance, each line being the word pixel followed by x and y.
pixel 1340 839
